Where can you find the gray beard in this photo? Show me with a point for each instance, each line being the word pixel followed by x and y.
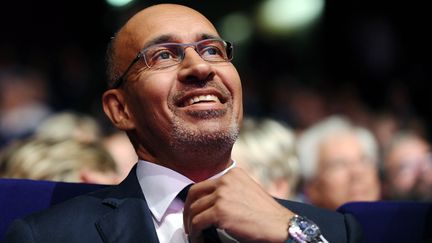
pixel 203 143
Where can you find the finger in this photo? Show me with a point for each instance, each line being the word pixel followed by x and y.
pixel 196 192
pixel 201 188
pixel 203 220
pixel 206 201
pixel 200 205
pixel 205 194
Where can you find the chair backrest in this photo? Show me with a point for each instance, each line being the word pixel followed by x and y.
pixel 393 221
pixel 20 197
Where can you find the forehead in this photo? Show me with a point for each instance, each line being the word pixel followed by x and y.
pixel 340 144
pixel 173 23
pixel 409 148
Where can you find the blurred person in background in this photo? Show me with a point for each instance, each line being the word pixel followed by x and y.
pixel 407 168
pixel 384 126
pixel 69 125
pixel 66 160
pixel 266 150
pixel 23 103
pixel 338 163
pixel 121 149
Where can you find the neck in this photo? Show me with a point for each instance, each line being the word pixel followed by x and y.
pixel 197 167
pixel 201 174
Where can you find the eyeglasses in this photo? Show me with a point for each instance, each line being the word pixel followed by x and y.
pixel 161 56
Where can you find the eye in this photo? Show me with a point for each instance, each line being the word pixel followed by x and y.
pixel 213 53
pixel 163 54
pixel 160 57
pixel 211 50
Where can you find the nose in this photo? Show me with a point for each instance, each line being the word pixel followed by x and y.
pixel 194 69
pixel 360 167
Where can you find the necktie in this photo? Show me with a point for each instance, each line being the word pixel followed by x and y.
pixel 210 234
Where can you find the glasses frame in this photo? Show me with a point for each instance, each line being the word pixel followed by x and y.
pixel 228 46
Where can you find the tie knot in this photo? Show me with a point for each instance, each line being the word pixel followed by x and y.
pixel 184 192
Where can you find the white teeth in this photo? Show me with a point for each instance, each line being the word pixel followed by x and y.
pixel 205 98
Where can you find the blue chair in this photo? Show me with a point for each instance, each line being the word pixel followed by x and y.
pixel 383 221
pixel 393 221
pixel 20 197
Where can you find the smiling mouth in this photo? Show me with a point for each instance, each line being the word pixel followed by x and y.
pixel 201 99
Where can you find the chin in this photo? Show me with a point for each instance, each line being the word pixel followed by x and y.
pixel 207 114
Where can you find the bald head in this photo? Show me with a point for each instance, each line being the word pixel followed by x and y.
pixel 149 25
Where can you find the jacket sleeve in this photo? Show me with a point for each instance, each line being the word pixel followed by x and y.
pixel 19 232
pixel 353 229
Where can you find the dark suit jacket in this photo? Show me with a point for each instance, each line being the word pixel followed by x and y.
pixel 120 214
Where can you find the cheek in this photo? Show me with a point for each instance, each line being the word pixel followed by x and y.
pixel 405 180
pixel 153 89
pixel 371 175
pixel 232 82
pixel 231 79
pixel 149 96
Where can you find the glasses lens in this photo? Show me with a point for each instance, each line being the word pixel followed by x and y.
pixel 215 50
pixel 167 55
pixel 162 56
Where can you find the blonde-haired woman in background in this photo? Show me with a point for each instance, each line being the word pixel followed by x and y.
pixel 266 149
pixel 67 160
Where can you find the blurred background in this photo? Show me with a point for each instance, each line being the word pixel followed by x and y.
pixel 300 61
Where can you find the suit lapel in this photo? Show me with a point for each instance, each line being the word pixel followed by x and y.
pixel 130 220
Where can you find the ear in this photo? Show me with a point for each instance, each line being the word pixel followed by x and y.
pixel 115 107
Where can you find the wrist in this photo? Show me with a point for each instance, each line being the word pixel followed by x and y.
pixel 304 230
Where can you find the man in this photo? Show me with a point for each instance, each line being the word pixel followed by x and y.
pixel 407 168
pixel 181 106
pixel 339 163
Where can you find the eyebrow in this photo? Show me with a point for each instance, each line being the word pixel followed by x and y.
pixel 168 38
pixel 209 36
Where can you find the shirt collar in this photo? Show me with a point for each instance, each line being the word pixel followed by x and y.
pixel 161 185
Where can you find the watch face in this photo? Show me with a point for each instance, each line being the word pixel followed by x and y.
pixel 312 231
pixel 309 228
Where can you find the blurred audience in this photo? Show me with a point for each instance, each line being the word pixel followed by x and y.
pixel 23 103
pixel 384 126
pixel 66 160
pixel 338 163
pixel 299 104
pixel 407 168
pixel 121 149
pixel 266 149
pixel 69 125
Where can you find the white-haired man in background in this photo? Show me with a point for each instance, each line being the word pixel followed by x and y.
pixel 338 163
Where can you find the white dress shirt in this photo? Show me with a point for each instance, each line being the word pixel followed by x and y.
pixel 160 186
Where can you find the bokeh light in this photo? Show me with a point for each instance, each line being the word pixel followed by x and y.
pixel 119 3
pixel 236 27
pixel 283 17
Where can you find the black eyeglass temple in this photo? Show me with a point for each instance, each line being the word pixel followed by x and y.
pixel 120 80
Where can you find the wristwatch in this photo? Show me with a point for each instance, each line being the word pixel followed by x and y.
pixel 304 230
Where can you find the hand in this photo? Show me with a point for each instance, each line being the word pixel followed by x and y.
pixel 238 205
